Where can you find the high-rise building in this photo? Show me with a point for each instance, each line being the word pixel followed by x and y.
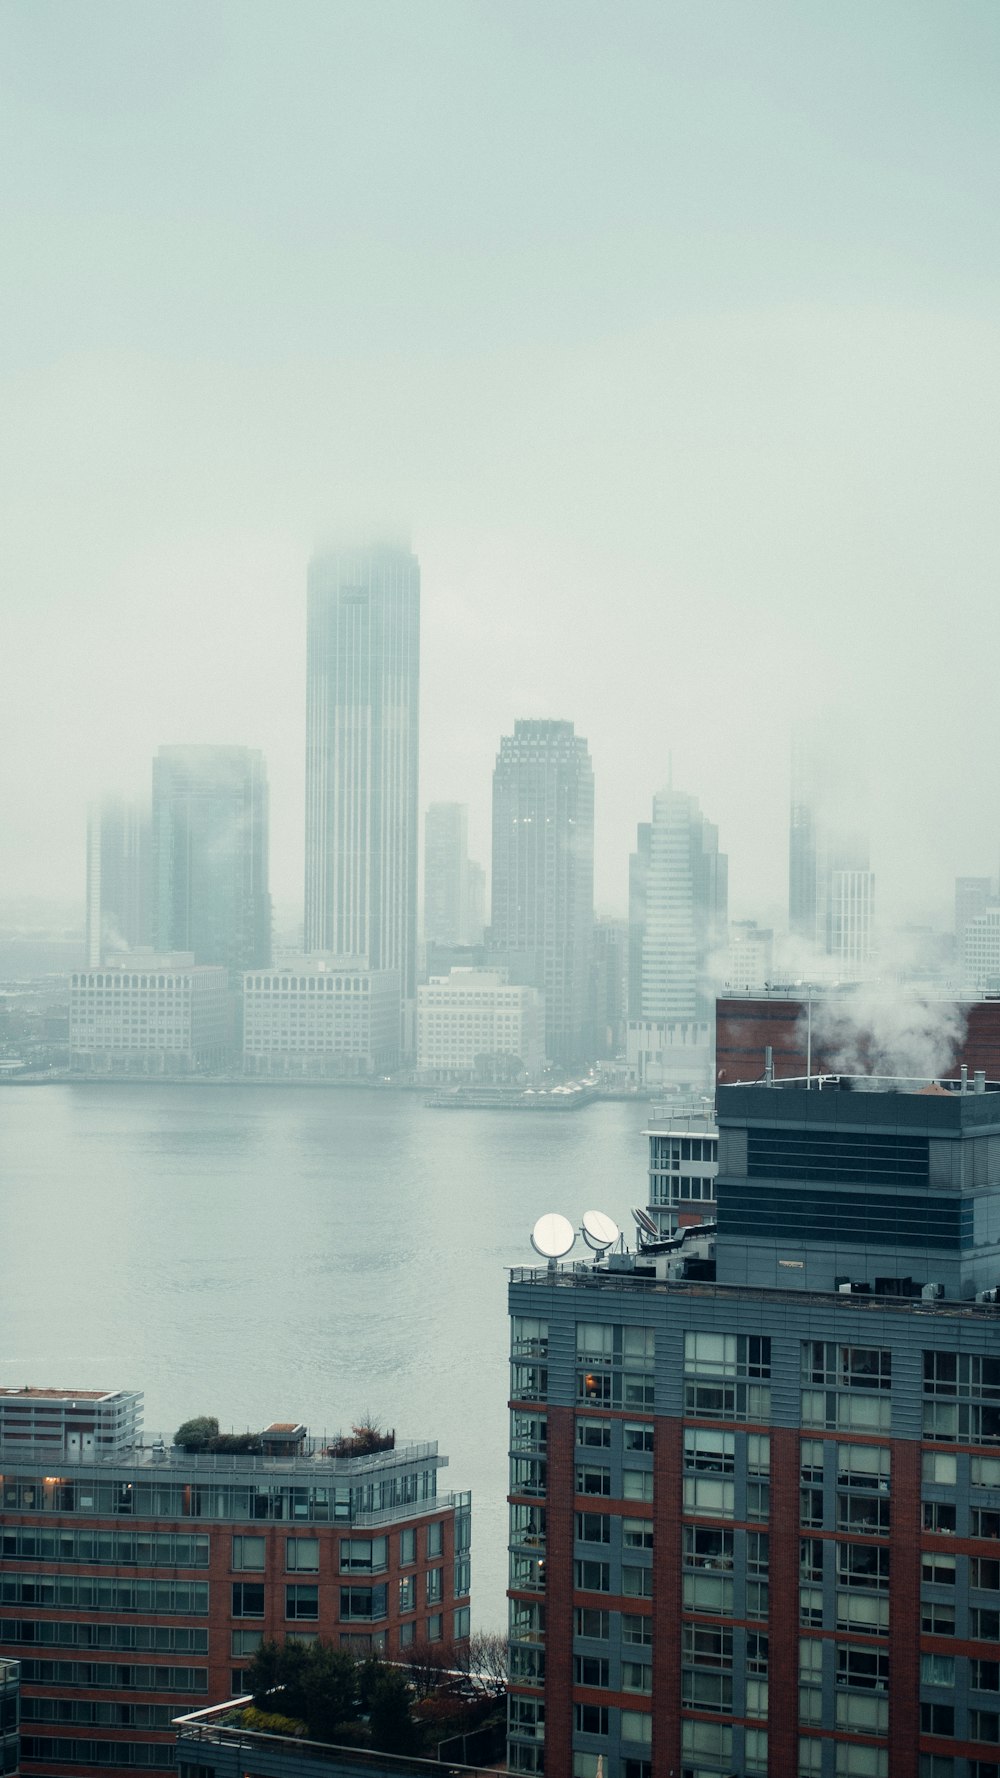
pixel 475 903
pixel 210 855
pixel 831 888
pixel 678 898
pixel 363 669
pixel 684 918
pixel 754 1521
pixel 543 875
pixel 611 964
pixel 446 871
pixel 980 958
pixel 138 1578
pixel 119 878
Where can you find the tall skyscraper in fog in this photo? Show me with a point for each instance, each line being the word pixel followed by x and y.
pixel 210 855
pixel 362 690
pixel 543 875
pixel 446 872
pixel 831 886
pixel 680 884
pixel 119 877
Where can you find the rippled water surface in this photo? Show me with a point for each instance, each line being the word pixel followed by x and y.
pixel 265 1253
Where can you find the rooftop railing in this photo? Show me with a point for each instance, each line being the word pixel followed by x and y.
pixel 172 1458
pixel 200 1729
pixel 583 1277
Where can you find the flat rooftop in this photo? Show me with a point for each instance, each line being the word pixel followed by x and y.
pixel 29 1393
pixel 639 1274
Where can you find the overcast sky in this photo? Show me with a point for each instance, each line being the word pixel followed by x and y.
pixel 669 329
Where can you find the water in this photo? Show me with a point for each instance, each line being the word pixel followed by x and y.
pixel 291 1254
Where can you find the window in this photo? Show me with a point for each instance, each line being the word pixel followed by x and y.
pixel 939 1620
pixel 594 1625
pixel 637 1484
pixel 245 1642
pixel 590 1719
pixel 637 1534
pixel 435 1539
pixel 435 1627
pixel 636 1631
pixel 939 1515
pixel 937 1570
pixel 593 1527
pixel 938 1670
pixel 302 1602
pixel 705 1646
pixel 727 1355
pixel 637 1725
pixel 637 1583
pixel 846 1367
pixel 863 1565
pixel 941 1467
pixel 862 1669
pixel 406 1635
pixel 593 1481
pixel 302 1554
pixel 637 1436
pixel 984 1676
pixel 248 1599
pixel 595 1433
pixel 937 1719
pixel 435 1585
pixel 408 1593
pixel 361 1555
pixel 593 1670
pixel 637 1676
pixel 704 1547
pixel 592 1577
pixel 362 1602
pixel 248 1553
pixel 709 1450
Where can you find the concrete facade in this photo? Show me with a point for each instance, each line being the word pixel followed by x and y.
pixel 323 1016
pixel 475 1019
pixel 149 1015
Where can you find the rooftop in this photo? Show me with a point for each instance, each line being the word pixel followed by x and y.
pixel 28 1393
pixel 636 1272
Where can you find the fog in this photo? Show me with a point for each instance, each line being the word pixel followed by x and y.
pixel 669 331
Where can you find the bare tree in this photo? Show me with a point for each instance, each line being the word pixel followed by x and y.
pixel 483 1662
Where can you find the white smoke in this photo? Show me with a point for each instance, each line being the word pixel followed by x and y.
pixel 874 1028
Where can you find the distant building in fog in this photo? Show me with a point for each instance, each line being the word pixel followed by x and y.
pixel 542 916
pixel 981 952
pixel 119 877
pixel 362 689
pixel 831 889
pixel 474 1022
pixel 321 1015
pixel 475 903
pixel 447 876
pixel 611 967
pixel 210 855
pixel 749 957
pixel 149 1014
pixel 973 895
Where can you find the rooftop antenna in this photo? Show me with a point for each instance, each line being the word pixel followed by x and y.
pixel 599 1231
pixel 552 1237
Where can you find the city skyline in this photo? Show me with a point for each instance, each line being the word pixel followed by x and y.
pixel 642 395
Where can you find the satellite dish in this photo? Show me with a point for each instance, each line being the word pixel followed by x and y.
pixel 599 1231
pixel 645 1224
pixel 552 1236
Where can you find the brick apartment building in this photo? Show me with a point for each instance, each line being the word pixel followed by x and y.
pixel 137 1579
pixel 755 1518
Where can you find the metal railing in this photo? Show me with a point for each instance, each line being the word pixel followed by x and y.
pixel 585 1278
pixel 194 1729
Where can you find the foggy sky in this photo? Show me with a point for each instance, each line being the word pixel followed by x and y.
pixel 670 330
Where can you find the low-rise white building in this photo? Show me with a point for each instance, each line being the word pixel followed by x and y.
pixel 321 1015
pixel 475 1022
pixel 145 1014
pixel 749 958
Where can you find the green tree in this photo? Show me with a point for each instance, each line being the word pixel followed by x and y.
pixel 195 1434
pixel 392 1727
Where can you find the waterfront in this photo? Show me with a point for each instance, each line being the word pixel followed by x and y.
pixel 261 1255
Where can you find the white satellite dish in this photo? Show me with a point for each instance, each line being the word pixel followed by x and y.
pixel 552 1236
pixel 599 1231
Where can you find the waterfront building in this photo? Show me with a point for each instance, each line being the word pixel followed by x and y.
pixel 323 1016
pixel 446 874
pixel 474 1023
pixel 119 878
pixel 543 876
pixel 150 1015
pixel 754 1522
pixel 137 1578
pixel 362 694
pixel 210 855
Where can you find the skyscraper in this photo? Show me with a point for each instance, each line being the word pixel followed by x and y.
pixel 210 855
pixel 831 887
pixel 363 672
pixel 543 874
pixel 446 870
pixel 119 877
pixel 683 909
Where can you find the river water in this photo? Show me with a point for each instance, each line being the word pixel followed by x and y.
pixel 264 1253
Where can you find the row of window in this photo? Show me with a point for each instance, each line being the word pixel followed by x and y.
pixel 164 1499
pixel 80 1593
pixel 163 1638
pixel 114 1676
pixel 57 1750
pixel 162 1549
pixel 96 1715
